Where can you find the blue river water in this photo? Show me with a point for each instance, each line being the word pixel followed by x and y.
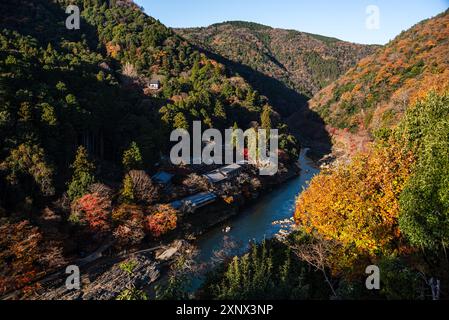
pixel 255 223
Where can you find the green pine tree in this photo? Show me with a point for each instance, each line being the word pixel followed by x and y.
pixel 180 121
pixel 83 175
pixel 132 158
pixel 265 118
pixel 219 110
pixel 127 192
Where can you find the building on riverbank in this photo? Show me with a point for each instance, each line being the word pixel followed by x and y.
pixel 195 202
pixel 223 174
pixel 163 178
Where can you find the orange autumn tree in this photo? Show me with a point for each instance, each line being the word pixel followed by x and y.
pixel 19 255
pixel 162 220
pixel 358 204
pixel 93 211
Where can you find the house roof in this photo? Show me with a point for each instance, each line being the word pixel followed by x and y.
pixel 230 169
pixel 222 174
pixel 163 177
pixel 215 176
pixel 195 201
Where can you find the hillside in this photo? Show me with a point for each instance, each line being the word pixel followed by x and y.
pixel 372 97
pixel 82 130
pixel 62 88
pixel 386 203
pixel 304 62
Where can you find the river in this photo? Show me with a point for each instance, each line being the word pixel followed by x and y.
pixel 255 223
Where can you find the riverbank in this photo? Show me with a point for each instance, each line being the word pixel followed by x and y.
pixel 256 222
pixel 98 270
pixel 200 222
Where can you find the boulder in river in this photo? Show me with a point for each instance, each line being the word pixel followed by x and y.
pixel 171 251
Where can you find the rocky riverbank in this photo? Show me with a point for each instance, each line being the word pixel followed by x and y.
pixel 104 277
pixel 107 278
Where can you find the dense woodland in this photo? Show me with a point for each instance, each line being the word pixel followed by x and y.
pixel 386 206
pixel 288 66
pixel 304 62
pixel 372 97
pixel 82 132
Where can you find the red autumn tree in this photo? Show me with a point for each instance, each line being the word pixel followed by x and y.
pixel 94 211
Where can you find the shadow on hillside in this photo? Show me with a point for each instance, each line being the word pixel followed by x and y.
pixel 45 21
pixel 310 129
pixel 305 124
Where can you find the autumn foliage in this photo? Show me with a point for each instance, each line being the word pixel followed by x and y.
pixel 18 255
pixel 161 221
pixel 358 204
pixel 93 211
pixel 25 255
pixel 373 96
pixel 130 221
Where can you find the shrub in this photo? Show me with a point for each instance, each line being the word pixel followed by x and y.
pixel 138 187
pixel 130 220
pixel 196 182
pixel 132 295
pixel 126 212
pixel 24 255
pixel 93 211
pixel 101 189
pixel 143 188
pixel 19 253
pixel 82 175
pixel 129 266
pixel 161 221
pixel 399 282
pixel 129 234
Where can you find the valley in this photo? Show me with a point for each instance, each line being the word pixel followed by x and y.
pixel 88 178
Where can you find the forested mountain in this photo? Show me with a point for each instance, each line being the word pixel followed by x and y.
pixel 85 117
pixel 304 62
pixel 62 88
pixel 372 97
pixel 78 115
pixel 387 206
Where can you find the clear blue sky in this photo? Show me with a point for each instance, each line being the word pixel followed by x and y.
pixel 343 19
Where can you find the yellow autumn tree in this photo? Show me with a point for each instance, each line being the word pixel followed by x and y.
pixel 357 204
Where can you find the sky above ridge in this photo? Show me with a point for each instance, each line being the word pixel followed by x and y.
pixel 361 21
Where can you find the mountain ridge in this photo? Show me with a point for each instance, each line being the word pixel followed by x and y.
pixel 261 26
pixel 303 61
pixel 370 99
